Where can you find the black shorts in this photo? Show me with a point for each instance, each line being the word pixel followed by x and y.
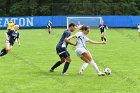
pixel 62 52
pixel 11 43
pixel 49 27
pixel 102 32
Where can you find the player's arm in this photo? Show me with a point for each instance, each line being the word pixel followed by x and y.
pixel 7 35
pixel 95 42
pixel 100 26
pixel 106 27
pixel 68 40
pixel 18 39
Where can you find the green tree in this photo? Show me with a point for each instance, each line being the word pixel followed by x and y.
pixel 69 7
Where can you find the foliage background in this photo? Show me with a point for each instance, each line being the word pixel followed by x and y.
pixel 69 7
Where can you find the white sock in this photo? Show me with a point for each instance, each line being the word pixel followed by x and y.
pixel 84 66
pixel 94 65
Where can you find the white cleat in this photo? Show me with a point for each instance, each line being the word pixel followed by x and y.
pixel 51 70
pixel 80 73
pixel 64 74
pixel 101 74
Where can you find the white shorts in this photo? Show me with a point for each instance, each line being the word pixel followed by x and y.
pixel 138 30
pixel 80 51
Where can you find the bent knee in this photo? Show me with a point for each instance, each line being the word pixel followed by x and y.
pixel 68 60
pixel 7 49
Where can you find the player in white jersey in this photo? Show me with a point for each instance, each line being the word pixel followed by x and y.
pixel 82 51
pixel 139 29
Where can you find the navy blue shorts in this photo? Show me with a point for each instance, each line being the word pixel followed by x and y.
pixel 102 32
pixel 11 43
pixel 49 27
pixel 62 52
pixel 9 30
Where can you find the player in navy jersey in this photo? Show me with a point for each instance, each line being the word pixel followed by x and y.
pixel 62 51
pixel 102 27
pixel 11 36
pixel 49 26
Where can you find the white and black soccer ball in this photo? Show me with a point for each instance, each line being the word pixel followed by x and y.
pixel 107 71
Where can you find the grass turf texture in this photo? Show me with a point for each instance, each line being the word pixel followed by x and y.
pixel 25 68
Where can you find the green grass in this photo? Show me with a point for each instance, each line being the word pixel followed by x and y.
pixel 25 68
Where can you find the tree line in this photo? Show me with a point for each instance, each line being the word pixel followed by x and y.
pixel 68 7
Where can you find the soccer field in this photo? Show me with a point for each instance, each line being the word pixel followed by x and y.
pixel 25 68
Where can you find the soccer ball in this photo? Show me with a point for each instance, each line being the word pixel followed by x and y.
pixel 107 71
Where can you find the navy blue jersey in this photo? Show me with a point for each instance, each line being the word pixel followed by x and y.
pixel 102 27
pixel 12 35
pixel 62 43
pixel 49 24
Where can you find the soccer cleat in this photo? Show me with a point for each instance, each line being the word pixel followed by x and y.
pixel 64 74
pixel 101 74
pixel 80 73
pixel 51 70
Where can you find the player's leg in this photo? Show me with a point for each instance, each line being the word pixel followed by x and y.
pixel 92 62
pixel 139 33
pixel 4 51
pixel 57 64
pixel 49 29
pixel 67 63
pixel 84 66
pixel 62 59
pixel 79 52
pixel 102 36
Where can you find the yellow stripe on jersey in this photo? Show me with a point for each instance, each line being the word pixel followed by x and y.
pixel 10 26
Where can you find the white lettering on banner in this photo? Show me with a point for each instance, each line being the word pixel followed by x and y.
pixel 29 21
pixel 6 22
pixel 21 21
pixel 0 22
pixel 14 19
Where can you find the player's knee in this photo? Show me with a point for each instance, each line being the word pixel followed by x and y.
pixel 89 59
pixel 7 48
pixel 62 60
pixel 68 60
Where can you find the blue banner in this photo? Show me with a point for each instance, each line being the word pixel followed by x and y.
pixel 26 22
pixel 60 21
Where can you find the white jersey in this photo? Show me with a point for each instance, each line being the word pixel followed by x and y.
pixel 81 40
pixel 138 28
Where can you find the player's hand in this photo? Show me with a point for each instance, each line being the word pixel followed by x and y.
pixel 75 44
pixel 103 42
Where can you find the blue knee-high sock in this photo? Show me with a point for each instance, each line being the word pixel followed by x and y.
pixel 3 52
pixel 66 66
pixel 56 65
pixel 104 39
